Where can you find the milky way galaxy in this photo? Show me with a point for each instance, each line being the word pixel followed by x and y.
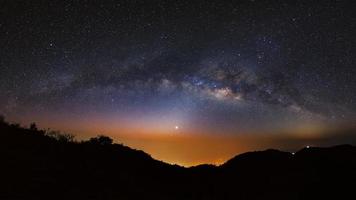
pixel 140 71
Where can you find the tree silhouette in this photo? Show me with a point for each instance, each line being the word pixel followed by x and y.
pixel 101 140
pixel 2 119
pixel 33 126
pixel 65 137
pixel 62 137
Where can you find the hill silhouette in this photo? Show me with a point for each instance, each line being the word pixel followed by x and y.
pixel 38 164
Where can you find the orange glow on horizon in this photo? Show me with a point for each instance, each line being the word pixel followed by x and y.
pixel 176 144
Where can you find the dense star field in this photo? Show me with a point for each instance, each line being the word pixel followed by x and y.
pixel 187 81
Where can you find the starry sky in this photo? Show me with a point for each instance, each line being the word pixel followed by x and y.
pixel 189 82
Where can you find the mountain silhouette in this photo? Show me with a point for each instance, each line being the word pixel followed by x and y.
pixel 38 164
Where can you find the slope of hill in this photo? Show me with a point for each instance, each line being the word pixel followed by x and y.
pixel 38 165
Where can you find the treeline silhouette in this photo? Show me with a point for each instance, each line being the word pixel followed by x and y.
pixel 43 164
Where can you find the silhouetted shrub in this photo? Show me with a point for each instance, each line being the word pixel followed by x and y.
pixel 101 140
pixel 33 126
pixel 62 137
pixel 65 137
pixel 16 125
pixel 2 119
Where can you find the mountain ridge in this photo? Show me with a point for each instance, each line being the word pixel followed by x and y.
pixel 38 165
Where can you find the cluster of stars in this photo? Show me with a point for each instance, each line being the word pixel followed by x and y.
pixel 217 64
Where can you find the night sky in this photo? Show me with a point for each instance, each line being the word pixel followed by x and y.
pixel 187 81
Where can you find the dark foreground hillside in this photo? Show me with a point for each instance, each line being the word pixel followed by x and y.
pixel 37 165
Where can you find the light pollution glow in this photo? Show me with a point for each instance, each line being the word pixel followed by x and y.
pixel 179 146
